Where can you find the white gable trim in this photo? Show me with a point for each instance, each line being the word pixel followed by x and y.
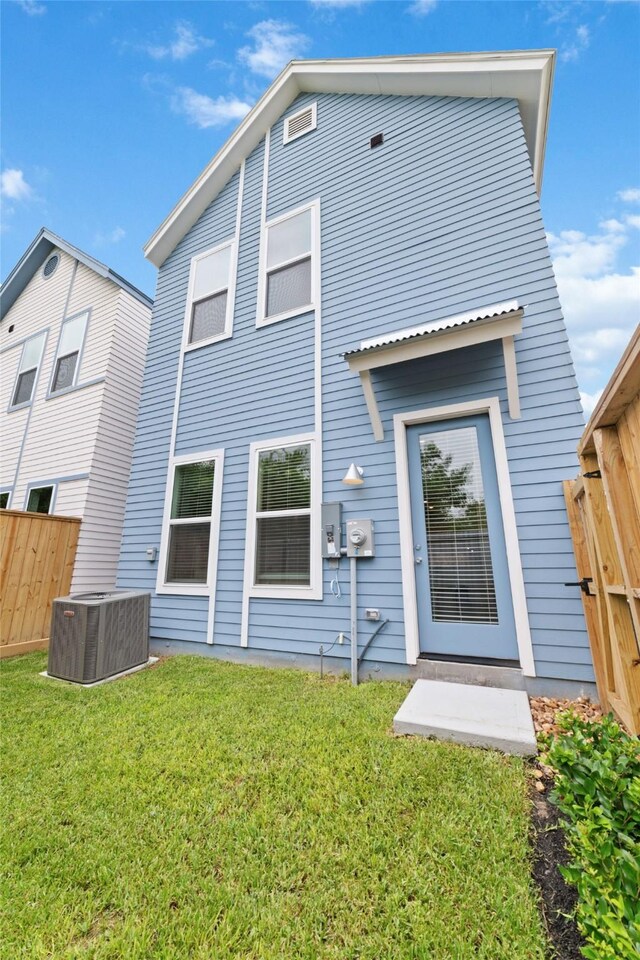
pixel 525 75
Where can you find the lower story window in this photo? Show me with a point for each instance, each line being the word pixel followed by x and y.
pixel 4 500
pixel 283 517
pixel 40 499
pixel 190 523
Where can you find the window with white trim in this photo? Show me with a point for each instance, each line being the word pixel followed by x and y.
pixel 65 372
pixel 210 300
pixel 287 283
pixel 190 522
pixel 28 370
pixel 283 517
pixel 40 499
pixel 4 499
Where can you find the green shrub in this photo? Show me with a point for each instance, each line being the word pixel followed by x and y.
pixel 597 787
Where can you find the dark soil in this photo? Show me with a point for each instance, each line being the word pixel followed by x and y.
pixel 558 897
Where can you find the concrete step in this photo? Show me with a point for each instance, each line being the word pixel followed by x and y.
pixel 476 716
pixel 477 674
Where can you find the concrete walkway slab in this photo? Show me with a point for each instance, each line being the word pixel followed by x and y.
pixel 476 716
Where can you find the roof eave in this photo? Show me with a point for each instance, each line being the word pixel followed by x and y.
pixel 440 72
pixel 35 255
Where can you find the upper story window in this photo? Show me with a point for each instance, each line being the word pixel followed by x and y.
pixel 28 370
pixel 65 371
pixel 287 281
pixel 209 315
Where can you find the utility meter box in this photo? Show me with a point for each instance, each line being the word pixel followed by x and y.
pixel 360 539
pixel 331 530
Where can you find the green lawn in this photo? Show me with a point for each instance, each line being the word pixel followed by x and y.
pixel 207 810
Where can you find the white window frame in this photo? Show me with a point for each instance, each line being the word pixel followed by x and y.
pixel 292 116
pixel 262 320
pixel 41 486
pixel 231 295
pixel 186 589
pixel 401 422
pixel 312 591
pixel 20 371
pixel 52 392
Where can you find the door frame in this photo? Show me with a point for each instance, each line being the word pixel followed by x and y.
pixel 491 406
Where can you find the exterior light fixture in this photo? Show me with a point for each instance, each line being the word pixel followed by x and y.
pixel 353 476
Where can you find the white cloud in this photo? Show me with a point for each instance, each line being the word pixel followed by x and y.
pixel 571 51
pixel 589 401
pixel 600 300
pixel 113 236
pixel 14 186
pixel 420 8
pixel 632 195
pixel 633 220
pixel 275 43
pixel 204 111
pixel 32 8
pixel 185 42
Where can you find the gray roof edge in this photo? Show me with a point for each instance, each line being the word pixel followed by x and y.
pixel 35 255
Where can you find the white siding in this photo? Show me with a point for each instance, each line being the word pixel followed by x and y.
pixel 71 497
pixel 81 440
pixel 101 531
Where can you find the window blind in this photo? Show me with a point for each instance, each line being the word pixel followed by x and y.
pixel 284 479
pixel 288 282
pixel 190 523
pixel 282 550
pixel 65 372
pixel 209 317
pixel 460 568
pixel 188 557
pixel 283 521
pixel 289 287
pixel 193 490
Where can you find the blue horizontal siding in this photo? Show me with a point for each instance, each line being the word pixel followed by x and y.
pixel 441 219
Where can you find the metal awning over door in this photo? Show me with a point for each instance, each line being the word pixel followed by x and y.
pixel 502 321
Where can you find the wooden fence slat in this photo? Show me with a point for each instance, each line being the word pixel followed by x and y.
pixel 590 603
pixel 37 553
pixel 603 506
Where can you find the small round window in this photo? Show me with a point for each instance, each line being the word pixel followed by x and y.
pixel 51 265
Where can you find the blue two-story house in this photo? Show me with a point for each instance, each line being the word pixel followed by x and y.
pixel 356 306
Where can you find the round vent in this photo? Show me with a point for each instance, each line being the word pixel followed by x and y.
pixel 51 265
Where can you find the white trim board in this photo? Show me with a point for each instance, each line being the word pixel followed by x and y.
pixel 525 75
pixel 401 421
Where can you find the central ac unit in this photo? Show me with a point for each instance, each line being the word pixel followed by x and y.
pixel 96 635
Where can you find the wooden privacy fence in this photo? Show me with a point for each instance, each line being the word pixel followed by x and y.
pixel 604 514
pixel 37 553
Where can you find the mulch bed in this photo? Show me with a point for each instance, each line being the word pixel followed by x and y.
pixel 558 898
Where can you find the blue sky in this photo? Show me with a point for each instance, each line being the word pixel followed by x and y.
pixel 111 109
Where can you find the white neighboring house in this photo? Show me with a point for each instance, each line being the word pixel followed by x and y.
pixel 73 342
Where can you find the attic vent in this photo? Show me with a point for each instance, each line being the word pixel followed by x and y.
pixel 51 265
pixel 299 123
